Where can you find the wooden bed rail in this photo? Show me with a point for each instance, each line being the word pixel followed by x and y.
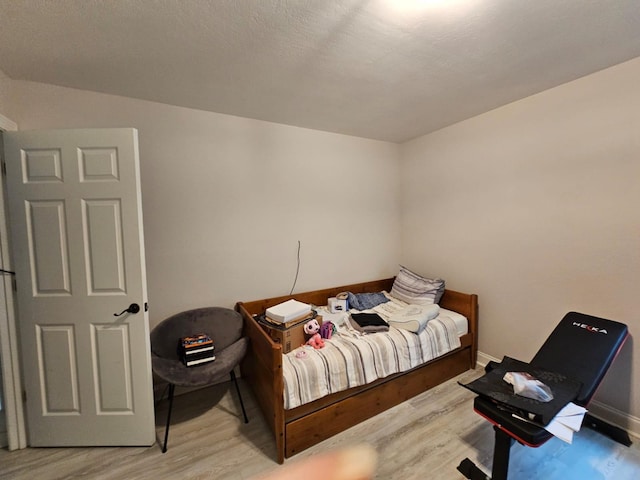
pixel 467 305
pixel 262 369
pixel 318 297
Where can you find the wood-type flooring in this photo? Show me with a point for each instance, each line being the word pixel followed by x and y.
pixel 423 438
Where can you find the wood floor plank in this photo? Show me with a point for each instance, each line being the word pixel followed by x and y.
pixel 425 437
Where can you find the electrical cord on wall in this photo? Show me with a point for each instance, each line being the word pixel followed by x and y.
pixel 295 280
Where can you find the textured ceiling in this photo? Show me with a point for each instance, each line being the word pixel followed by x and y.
pixel 364 68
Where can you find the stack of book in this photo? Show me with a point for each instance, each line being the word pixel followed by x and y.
pixel 196 349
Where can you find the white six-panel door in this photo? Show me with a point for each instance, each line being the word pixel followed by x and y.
pixel 76 228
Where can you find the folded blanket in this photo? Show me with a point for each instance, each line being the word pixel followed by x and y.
pixel 414 317
pixel 368 322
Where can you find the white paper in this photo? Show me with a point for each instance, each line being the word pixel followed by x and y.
pixel 571 416
pixel 567 421
pixel 561 431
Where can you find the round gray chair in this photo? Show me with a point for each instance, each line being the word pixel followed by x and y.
pixel 223 325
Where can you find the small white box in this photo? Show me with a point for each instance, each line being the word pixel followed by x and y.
pixel 336 305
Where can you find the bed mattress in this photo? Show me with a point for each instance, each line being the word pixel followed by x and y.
pixel 350 359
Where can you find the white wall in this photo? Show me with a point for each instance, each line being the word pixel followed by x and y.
pixel 226 199
pixel 5 85
pixel 536 207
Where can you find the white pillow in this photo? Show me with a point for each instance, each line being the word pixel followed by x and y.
pixel 415 289
pixel 414 317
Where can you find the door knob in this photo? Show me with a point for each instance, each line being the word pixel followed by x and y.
pixel 133 308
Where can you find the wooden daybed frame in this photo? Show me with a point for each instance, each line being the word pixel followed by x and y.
pixel 304 426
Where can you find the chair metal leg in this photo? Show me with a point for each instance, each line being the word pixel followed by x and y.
pixel 235 380
pixel 172 387
pixel 501 452
pixel 500 467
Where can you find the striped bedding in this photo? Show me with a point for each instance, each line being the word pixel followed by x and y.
pixel 350 360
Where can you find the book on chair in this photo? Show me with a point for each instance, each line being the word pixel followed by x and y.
pixel 196 349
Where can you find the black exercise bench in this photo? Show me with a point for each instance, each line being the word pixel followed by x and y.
pixel 572 361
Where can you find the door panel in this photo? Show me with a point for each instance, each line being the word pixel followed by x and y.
pixel 76 224
pixel 47 237
pixel 102 222
pixel 114 391
pixel 59 385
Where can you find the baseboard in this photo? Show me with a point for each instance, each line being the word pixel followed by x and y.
pixel 483 359
pixel 625 421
